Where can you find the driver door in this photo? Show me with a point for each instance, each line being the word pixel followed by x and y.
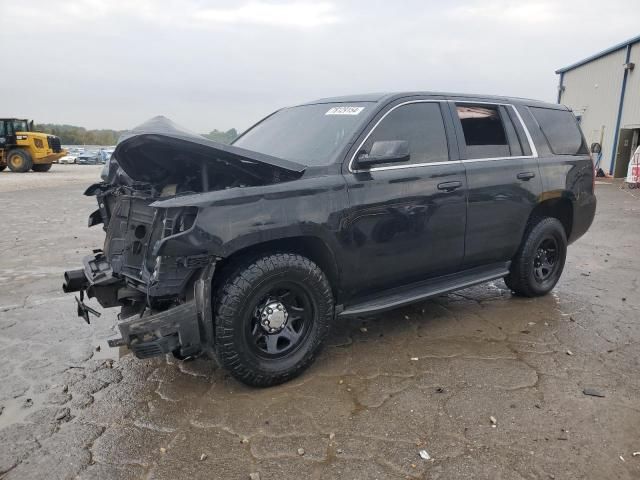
pixel 407 220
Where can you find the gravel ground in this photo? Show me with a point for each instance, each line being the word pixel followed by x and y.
pixel 433 376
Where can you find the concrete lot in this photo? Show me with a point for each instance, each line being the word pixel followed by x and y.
pixel 428 376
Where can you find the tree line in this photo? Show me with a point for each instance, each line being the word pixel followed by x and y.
pixel 72 135
pixel 222 137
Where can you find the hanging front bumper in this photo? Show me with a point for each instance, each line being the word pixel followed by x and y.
pixel 174 330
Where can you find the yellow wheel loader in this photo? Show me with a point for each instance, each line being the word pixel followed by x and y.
pixel 22 149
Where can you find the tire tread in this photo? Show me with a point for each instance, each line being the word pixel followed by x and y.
pixel 28 161
pixel 231 296
pixel 518 279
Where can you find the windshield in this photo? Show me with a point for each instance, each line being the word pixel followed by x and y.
pixel 20 125
pixel 309 134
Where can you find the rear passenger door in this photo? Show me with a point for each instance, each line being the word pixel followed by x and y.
pixel 407 220
pixel 502 175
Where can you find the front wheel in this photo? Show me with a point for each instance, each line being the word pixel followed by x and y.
pixel 537 266
pixel 271 317
pixel 19 160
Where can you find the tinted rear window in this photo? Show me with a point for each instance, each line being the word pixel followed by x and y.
pixel 561 130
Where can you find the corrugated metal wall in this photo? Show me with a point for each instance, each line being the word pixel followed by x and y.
pixel 631 110
pixel 593 91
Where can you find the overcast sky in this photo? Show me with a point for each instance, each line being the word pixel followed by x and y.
pixel 220 64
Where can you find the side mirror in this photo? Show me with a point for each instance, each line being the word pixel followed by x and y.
pixel 596 147
pixel 386 151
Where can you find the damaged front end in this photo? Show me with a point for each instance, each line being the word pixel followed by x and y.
pixel 157 263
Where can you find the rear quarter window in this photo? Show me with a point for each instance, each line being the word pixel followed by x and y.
pixel 561 131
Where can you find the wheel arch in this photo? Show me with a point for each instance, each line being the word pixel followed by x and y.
pixel 25 148
pixel 311 247
pixel 560 207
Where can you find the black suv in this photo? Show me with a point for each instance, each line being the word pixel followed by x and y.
pixel 336 208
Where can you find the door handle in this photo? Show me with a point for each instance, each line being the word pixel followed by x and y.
pixel 449 186
pixel 526 176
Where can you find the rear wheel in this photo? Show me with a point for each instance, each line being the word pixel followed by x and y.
pixel 537 266
pixel 271 317
pixel 19 160
pixel 41 167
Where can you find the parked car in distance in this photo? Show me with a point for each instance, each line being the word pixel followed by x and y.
pixel 73 150
pixel 103 156
pixel 88 158
pixel 342 207
pixel 68 159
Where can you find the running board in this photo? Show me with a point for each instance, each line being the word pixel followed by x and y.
pixel 416 292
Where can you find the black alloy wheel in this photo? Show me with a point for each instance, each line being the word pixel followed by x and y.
pixel 271 315
pixel 539 262
pixel 280 321
pixel 545 263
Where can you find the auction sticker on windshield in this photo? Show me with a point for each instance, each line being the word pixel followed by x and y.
pixel 344 110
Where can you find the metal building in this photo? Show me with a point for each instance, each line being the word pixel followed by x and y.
pixel 604 93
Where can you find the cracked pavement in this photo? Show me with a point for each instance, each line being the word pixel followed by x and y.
pixel 425 377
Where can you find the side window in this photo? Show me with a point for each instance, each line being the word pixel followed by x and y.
pixel 522 136
pixel 515 147
pixel 2 129
pixel 561 131
pixel 421 125
pixel 484 132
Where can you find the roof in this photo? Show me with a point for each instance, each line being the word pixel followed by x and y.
pixel 385 97
pixel 601 54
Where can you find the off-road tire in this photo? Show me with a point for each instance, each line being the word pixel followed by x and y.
pixel 234 300
pixel 522 279
pixel 41 167
pixel 20 167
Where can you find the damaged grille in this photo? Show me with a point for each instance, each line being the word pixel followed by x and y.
pixel 54 144
pixel 133 233
pixel 197 261
pixel 128 235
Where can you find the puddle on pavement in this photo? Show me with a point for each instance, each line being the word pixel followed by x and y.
pixel 102 350
pixel 460 319
pixel 15 409
pixel 104 329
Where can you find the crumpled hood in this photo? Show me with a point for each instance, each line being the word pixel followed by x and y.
pixel 158 148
